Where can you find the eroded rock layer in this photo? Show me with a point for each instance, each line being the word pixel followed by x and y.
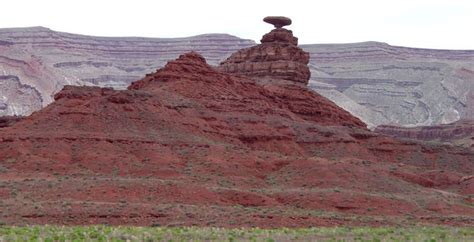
pixel 188 145
pixel 277 58
pixel 458 133
pixel 383 84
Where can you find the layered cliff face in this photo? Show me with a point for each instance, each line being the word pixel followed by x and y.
pixel 383 84
pixel 277 58
pixel 189 145
pixel 457 133
pixel 35 63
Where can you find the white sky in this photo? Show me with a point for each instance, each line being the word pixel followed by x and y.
pixel 442 24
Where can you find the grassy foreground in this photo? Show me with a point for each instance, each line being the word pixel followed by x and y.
pixel 108 233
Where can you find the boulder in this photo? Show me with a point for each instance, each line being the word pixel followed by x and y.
pixel 277 21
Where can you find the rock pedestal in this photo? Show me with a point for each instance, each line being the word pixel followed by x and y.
pixel 280 35
pixel 277 58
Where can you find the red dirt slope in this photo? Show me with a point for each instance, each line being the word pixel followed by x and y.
pixel 188 145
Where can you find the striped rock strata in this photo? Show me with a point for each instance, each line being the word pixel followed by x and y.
pixel 35 63
pixel 457 133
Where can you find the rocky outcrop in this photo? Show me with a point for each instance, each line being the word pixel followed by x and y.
pixel 458 133
pixel 298 100
pixel 277 58
pixel 283 36
pixel 190 145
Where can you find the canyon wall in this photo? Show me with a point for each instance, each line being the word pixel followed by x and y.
pixel 383 84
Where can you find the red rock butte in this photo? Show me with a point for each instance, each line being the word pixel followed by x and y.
pixel 189 145
pixel 278 59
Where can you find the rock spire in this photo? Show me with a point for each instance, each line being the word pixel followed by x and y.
pixel 277 59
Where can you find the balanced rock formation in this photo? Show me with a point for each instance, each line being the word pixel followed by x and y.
pixel 276 59
pixel 277 21
pixel 376 82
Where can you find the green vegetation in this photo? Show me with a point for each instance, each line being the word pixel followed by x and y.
pixel 108 233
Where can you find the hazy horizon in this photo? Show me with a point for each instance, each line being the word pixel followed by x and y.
pixel 432 24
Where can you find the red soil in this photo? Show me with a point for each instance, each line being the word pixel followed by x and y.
pixel 188 145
